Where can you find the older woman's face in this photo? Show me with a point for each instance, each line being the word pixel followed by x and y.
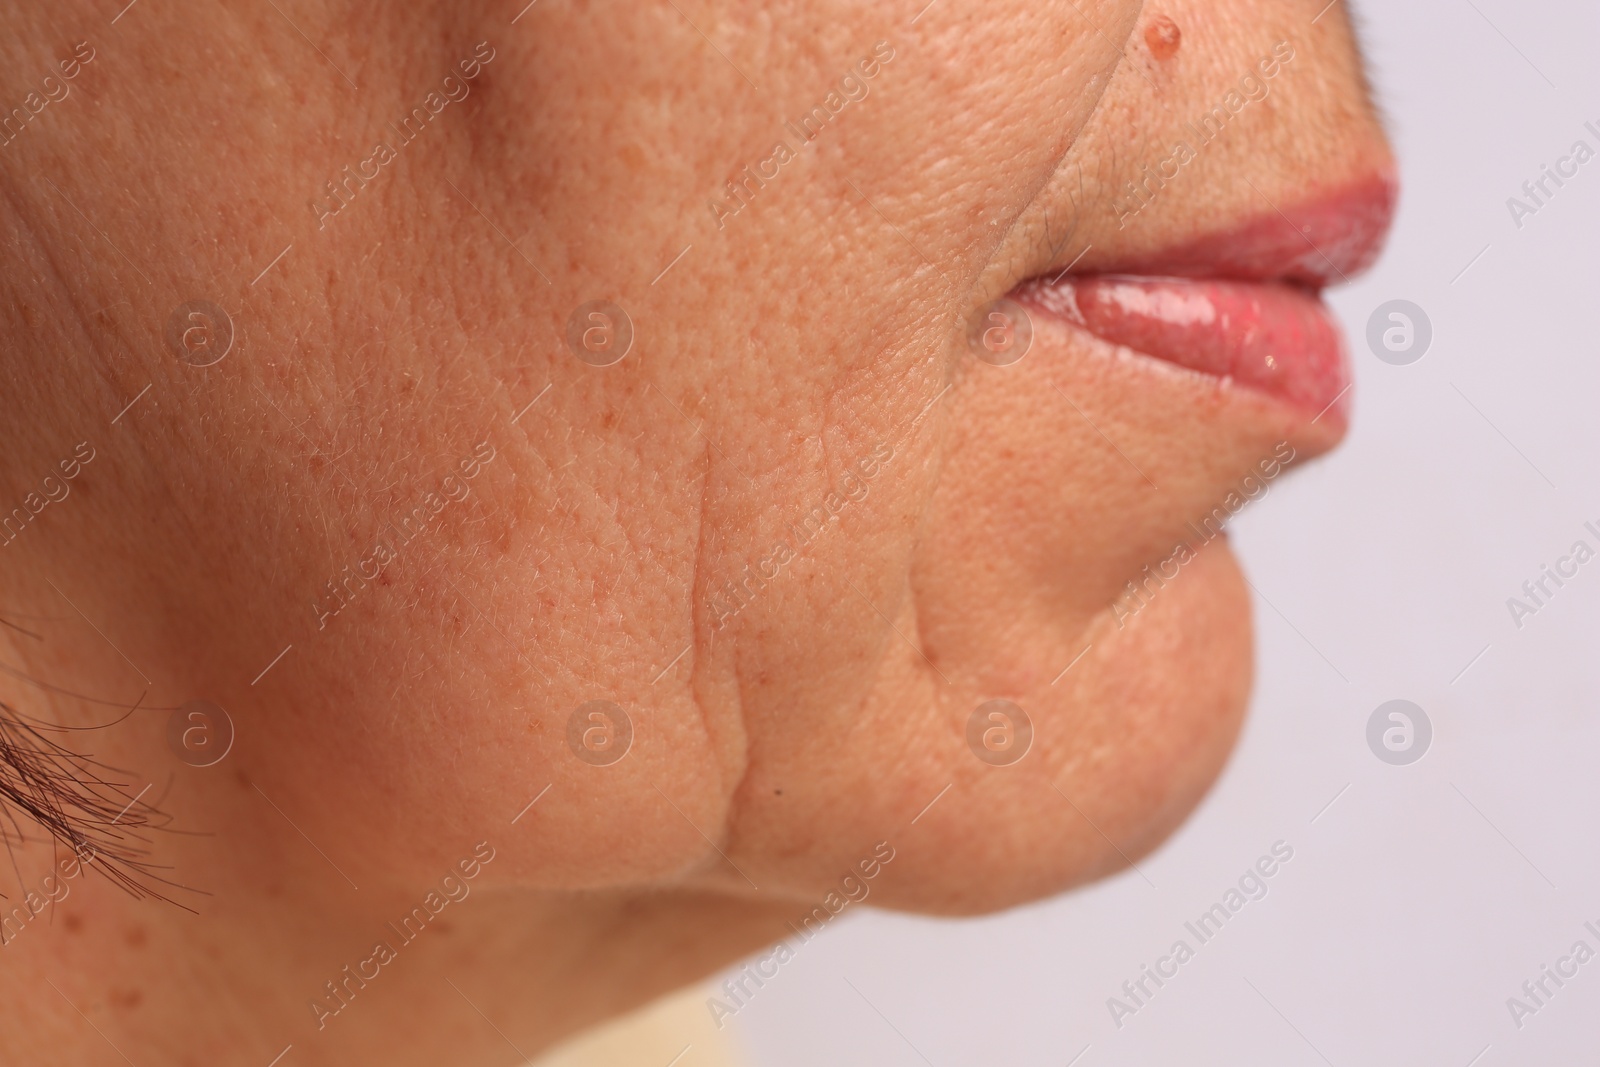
pixel 800 526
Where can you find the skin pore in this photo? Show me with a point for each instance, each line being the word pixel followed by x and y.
pixel 392 334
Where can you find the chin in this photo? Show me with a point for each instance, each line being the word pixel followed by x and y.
pixel 1125 747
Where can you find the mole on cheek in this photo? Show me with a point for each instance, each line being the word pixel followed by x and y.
pixel 1163 37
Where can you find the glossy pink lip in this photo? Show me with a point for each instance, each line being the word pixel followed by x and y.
pixel 1265 335
pixel 1240 305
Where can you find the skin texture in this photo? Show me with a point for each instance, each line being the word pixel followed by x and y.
pixel 822 324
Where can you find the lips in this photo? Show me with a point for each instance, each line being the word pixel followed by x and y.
pixel 1241 305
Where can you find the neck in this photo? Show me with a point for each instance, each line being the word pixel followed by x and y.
pixel 225 957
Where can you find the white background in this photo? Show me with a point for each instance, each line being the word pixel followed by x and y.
pixel 1425 895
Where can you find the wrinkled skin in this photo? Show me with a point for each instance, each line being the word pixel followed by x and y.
pixel 772 748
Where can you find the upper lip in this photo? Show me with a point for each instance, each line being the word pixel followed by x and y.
pixel 1321 238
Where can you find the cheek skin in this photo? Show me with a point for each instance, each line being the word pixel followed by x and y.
pixel 581 565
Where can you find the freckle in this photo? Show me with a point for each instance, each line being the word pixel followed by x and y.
pixel 73 922
pixel 632 157
pixel 137 937
pixel 127 998
pixel 1163 37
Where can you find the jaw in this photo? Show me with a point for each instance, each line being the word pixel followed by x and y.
pixel 1124 745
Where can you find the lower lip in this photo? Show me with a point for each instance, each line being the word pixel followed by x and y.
pixel 1271 337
